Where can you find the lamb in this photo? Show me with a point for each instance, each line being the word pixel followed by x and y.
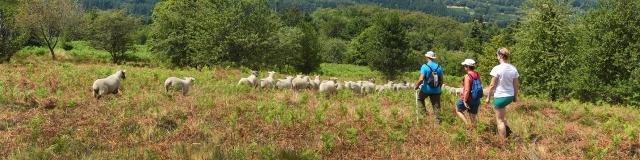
pixel 268 82
pixel 406 86
pixel 251 80
pixel 300 82
pixel 354 86
pixel 340 86
pixel 285 83
pixel 330 87
pixel 109 85
pixel 452 90
pixel 382 88
pixel 315 84
pixel 178 84
pixel 367 87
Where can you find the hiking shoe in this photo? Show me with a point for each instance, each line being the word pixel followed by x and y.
pixel 508 131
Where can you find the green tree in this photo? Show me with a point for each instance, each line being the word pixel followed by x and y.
pixel 49 19
pixel 609 53
pixel 545 43
pixel 385 46
pixel 205 33
pixel 475 41
pixel 333 50
pixel 309 58
pixel 11 38
pixel 112 31
pixel 173 29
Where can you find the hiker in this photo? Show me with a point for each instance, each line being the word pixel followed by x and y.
pixel 504 89
pixel 471 94
pixel 429 85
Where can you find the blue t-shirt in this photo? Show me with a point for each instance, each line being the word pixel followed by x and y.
pixel 426 72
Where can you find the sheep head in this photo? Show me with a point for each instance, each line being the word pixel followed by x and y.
pixel 122 74
pixel 190 79
pixel 334 79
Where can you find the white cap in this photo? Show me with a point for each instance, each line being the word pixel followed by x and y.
pixel 469 62
pixel 431 55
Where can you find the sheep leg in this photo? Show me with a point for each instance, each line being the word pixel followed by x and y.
pixel 95 93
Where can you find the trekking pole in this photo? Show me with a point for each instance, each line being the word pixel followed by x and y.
pixel 417 109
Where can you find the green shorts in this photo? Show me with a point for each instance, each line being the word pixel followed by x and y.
pixel 502 102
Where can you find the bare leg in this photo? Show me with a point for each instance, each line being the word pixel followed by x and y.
pixel 461 116
pixel 472 117
pixel 501 121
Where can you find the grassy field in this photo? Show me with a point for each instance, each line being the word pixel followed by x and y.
pixel 47 112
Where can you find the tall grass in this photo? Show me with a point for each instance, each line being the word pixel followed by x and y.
pixel 47 112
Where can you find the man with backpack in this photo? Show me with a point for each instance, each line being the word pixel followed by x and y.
pixel 471 93
pixel 429 85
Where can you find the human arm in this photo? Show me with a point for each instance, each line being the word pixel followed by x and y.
pixel 516 85
pixel 467 90
pixel 420 80
pixel 492 88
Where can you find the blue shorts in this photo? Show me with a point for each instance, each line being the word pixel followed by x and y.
pixel 473 107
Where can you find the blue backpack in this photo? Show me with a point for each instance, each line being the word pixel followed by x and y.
pixel 476 89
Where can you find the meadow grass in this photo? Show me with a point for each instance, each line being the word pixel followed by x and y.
pixel 47 112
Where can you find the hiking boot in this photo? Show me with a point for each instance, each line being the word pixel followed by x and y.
pixel 508 131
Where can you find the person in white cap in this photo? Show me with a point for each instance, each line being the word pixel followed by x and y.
pixel 471 94
pixel 429 85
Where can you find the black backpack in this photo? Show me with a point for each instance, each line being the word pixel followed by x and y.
pixel 434 80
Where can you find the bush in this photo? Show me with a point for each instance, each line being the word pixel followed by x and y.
pixel 67 46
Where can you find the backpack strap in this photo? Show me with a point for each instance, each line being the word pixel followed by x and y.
pixel 431 69
pixel 474 78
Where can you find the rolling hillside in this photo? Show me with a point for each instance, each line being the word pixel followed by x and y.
pixel 47 112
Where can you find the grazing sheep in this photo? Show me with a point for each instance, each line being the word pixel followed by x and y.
pixel 300 82
pixel 285 83
pixel 268 82
pixel 354 86
pixel 406 86
pixel 178 84
pixel 340 86
pixel 452 90
pixel 330 87
pixel 380 88
pixel 398 86
pixel 367 87
pixel 109 85
pixel 251 80
pixel 315 83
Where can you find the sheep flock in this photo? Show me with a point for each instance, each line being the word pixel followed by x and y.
pixel 111 84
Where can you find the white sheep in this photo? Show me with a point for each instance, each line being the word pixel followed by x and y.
pixel 452 90
pixel 406 86
pixel 268 82
pixel 367 87
pixel 285 83
pixel 179 84
pixel 300 82
pixel 315 83
pixel 340 86
pixel 329 87
pixel 354 86
pixel 109 85
pixel 251 80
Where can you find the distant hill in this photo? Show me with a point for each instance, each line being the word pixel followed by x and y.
pixel 139 7
pixel 501 12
